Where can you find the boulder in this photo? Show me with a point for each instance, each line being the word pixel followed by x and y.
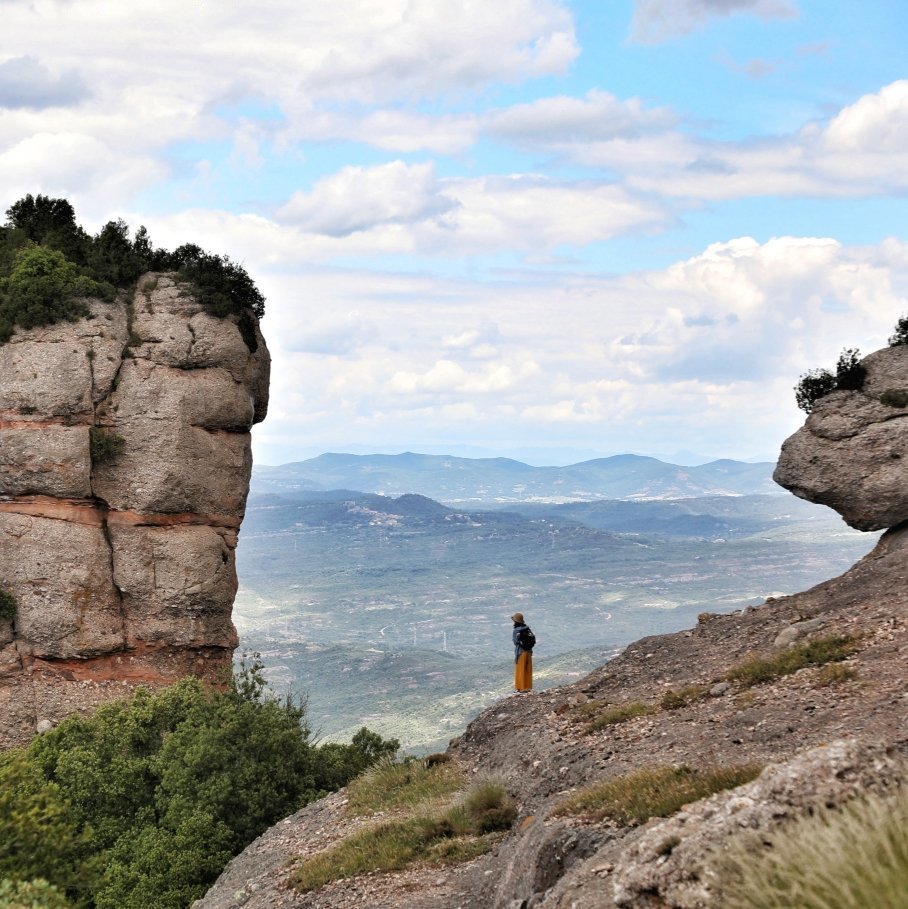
pixel 124 469
pixel 852 452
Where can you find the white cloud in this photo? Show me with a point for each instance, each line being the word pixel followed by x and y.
pixel 398 208
pixel 355 69
pixel 446 378
pixel 27 82
pixel 705 352
pixel 552 122
pixel 360 198
pixel 533 214
pixel 875 123
pixel 660 20
pixel 72 165
pixel 861 151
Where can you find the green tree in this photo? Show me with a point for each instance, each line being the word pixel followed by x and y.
pixel 164 788
pixel 50 222
pixel 113 257
pixel 39 833
pixel 43 287
pixel 901 332
pixel 155 866
pixel 37 894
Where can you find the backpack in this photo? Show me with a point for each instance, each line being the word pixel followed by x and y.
pixel 526 639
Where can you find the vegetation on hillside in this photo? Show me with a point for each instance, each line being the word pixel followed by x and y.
pixel 144 802
pixel 656 791
pixel 759 669
pixel 441 820
pixel 49 265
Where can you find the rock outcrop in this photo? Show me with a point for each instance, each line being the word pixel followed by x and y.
pixel 851 453
pixel 124 468
pixel 824 737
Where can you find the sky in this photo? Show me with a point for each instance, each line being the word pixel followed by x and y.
pixel 533 228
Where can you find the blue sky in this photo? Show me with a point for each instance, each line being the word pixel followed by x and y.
pixel 537 228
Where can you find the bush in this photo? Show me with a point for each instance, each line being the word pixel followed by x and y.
pixel 489 807
pixel 153 795
pixel 402 784
pixel 849 373
pixel 223 287
pixel 43 287
pixel 901 333
pixel 690 694
pixel 40 835
pixel 104 445
pixel 834 674
pixel 113 257
pixel 653 792
pixel 7 606
pixel 813 385
pixel 817 383
pixel 852 858
pixel 895 397
pixel 37 894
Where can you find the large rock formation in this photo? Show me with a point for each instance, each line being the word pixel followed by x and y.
pixel 124 468
pixel 851 453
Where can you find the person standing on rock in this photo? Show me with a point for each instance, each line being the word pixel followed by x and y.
pixel 524 641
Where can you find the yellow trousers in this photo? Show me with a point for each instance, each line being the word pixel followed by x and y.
pixel 523 671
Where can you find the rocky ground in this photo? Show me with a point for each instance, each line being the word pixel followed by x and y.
pixel 538 744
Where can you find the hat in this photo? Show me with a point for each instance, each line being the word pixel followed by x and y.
pixel 517 617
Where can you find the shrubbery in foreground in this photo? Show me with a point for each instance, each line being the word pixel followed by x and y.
pixel 852 858
pixel 143 803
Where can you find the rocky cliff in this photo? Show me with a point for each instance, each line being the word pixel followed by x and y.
pixel 824 733
pixel 124 468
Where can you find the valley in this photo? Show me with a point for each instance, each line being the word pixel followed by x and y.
pixel 393 612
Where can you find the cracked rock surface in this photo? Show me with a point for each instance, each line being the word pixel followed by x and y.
pixel 122 567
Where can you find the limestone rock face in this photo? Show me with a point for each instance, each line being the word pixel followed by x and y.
pixel 124 469
pixel 852 452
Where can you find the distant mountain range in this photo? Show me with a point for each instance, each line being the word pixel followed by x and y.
pixel 502 480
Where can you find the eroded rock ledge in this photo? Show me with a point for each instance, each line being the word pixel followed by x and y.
pixel 124 470
pixel 852 452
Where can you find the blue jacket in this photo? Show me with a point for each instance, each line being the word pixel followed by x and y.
pixel 515 637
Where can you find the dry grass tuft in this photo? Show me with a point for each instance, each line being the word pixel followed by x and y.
pixel 459 833
pixel 653 792
pixel 831 648
pixel 684 697
pixel 402 784
pixel 620 713
pixel 853 858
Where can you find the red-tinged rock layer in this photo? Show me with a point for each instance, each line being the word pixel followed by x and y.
pixel 121 561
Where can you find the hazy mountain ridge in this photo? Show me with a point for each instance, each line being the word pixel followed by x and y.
pixel 502 480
